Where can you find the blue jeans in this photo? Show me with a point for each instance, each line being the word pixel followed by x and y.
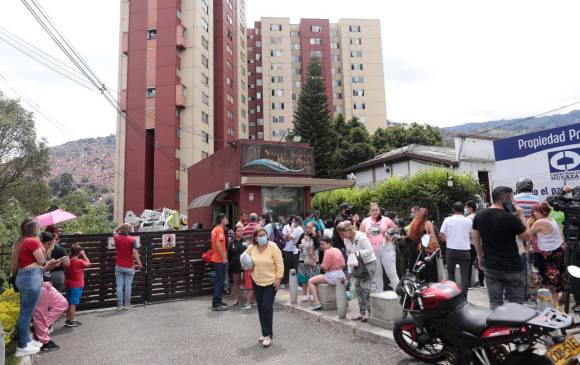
pixel 124 277
pixel 218 285
pixel 29 283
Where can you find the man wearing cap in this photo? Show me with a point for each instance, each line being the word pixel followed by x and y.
pixel 345 214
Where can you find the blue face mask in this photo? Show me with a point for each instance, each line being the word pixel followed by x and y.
pixel 262 240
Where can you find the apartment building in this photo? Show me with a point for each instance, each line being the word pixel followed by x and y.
pixel 278 56
pixel 182 82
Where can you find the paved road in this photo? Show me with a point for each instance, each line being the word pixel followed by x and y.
pixel 187 332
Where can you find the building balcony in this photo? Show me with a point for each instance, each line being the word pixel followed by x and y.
pixel 180 96
pixel 125 43
pixel 123 100
pixel 180 36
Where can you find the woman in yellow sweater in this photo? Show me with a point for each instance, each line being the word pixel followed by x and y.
pixel 267 274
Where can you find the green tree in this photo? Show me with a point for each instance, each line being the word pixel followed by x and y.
pixel 23 159
pixel 312 118
pixel 355 144
pixel 95 219
pixel 386 139
pixel 78 202
pixel 61 185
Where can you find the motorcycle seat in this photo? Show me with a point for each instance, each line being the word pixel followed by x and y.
pixel 511 314
pixel 470 318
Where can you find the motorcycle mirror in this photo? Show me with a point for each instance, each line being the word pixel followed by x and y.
pixel 574 271
pixel 425 240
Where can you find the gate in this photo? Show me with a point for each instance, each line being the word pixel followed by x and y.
pixel 172 267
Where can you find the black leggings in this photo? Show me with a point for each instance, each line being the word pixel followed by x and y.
pixel 291 261
pixel 265 301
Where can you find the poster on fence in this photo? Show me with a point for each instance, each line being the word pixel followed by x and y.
pixel 168 240
pixel 111 242
pixel 551 158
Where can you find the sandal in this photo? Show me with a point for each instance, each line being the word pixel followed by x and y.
pixel 365 318
pixel 356 317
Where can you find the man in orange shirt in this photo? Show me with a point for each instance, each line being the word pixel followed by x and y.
pixel 219 259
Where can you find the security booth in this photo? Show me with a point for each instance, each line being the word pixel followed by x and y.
pixel 255 177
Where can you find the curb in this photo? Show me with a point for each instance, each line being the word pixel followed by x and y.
pixel 364 331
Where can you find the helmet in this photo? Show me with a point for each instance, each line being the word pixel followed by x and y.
pixel 246 261
pixel 524 185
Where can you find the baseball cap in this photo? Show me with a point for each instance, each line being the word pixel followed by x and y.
pixel 346 206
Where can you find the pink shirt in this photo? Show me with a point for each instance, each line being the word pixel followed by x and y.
pixel 333 260
pixel 376 230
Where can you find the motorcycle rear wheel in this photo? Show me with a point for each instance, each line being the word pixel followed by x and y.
pixel 405 334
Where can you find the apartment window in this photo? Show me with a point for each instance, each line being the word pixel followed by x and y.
pixel 277 92
pixel 356 66
pixel 228 81
pixel 296 46
pixel 315 41
pixel 229 50
pixel 337 96
pixel 278 119
pixel 317 54
pixel 243 99
pixel 277 79
pixel 339 109
pixel 335 58
pixel 316 28
pixel 204 79
pixel 276 53
pixel 277 66
pixel 275 27
pixel 362 119
pixel 356 41
pixel 295 58
pixel 335 45
pixel 258 69
pixel 260 121
pixel 297 84
pixel 230 98
pixel 204 6
pixel 336 83
pixel 243 128
pixel 204 137
pixel 204 42
pixel 259 108
pixel 357 79
pixel 204 61
pixel 354 28
pixel 258 31
pixel 278 106
pixel 296 71
pixel 294 96
pixel 178 112
pixel 204 117
pixel 258 95
pixel 358 92
pixel 204 98
pixel 260 135
pixel 151 92
pixel 258 44
pixel 243 85
pixel 334 33
pixel 230 35
pixel 276 40
pixel 243 70
pixel 230 131
pixel 178 14
pixel 229 18
pixel 151 33
pixel 258 56
pixel 356 53
pixel 230 115
pixel 335 70
pixel 204 154
pixel 278 132
pixel 243 113
pixel 204 25
pixel 294 34
pixel 229 66
pixel 229 2
pixel 359 106
pixel 259 82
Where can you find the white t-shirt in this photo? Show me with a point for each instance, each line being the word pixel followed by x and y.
pixel 291 244
pixel 457 230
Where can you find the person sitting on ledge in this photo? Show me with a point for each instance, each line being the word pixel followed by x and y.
pixel 333 267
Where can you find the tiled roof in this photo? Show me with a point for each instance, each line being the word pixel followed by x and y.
pixel 436 154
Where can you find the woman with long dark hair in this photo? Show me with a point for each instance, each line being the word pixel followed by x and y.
pixel 420 225
pixel 27 264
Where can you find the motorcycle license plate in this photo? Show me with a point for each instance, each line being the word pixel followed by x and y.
pixel 561 353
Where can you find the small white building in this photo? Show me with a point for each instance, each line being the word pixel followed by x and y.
pixel 472 154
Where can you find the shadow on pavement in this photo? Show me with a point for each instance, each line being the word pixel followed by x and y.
pixel 258 353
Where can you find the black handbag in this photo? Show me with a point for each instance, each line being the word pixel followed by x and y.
pixel 361 272
pixel 12 283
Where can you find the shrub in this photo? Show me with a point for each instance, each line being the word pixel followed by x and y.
pixel 426 189
pixel 9 310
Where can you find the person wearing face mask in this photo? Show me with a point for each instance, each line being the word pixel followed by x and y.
pixel 235 249
pixel 292 232
pixel 308 266
pixel 266 275
pixel 376 227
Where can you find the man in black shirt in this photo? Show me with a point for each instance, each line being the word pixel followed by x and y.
pixel 494 237
pixel 345 214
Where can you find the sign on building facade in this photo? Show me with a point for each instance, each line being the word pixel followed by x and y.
pixel 277 158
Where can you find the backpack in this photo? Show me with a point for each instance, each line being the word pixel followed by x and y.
pixel 278 237
pixel 206 257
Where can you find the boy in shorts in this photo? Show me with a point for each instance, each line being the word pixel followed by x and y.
pixel 75 281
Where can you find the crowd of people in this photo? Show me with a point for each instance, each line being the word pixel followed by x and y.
pixel 50 281
pixel 515 235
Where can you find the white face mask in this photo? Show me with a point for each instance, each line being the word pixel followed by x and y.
pixel 465 211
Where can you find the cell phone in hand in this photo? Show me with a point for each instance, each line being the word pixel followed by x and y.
pixel 508 206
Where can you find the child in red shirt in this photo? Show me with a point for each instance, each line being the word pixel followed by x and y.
pixel 75 281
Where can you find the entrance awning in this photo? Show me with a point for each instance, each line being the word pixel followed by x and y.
pixel 207 199
pixel 316 185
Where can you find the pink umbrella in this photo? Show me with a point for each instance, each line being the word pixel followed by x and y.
pixel 54 217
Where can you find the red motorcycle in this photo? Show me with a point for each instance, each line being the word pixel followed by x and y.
pixel 439 324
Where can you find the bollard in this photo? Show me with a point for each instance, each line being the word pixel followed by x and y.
pixel 458 275
pixel 293 284
pixel 341 302
pixel 544 299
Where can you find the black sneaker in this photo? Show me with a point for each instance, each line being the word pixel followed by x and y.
pixel 49 346
pixel 223 304
pixel 70 324
pixel 77 323
pixel 220 308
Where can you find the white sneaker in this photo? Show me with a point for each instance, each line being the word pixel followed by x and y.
pixel 35 343
pixel 305 299
pixel 247 306
pixel 28 350
pixel 267 341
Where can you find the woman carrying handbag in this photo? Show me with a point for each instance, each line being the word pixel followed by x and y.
pixel 357 242
pixel 418 227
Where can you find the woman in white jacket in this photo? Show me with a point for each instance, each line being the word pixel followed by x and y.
pixel 357 242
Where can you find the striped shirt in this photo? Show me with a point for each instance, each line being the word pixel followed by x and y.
pixel 527 201
pixel 249 230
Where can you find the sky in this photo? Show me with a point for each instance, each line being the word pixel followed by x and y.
pixel 446 62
